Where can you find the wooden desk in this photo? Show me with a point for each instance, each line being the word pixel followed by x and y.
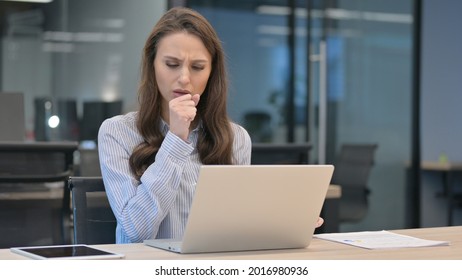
pixel 446 169
pixel 334 191
pixel 441 166
pixel 318 250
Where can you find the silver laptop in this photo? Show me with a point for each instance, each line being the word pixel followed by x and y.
pixel 252 207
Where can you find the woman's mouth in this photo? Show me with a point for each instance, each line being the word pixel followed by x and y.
pixel 180 92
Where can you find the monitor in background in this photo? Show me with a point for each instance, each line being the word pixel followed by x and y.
pixel 67 129
pixel 287 153
pixel 12 118
pixel 94 113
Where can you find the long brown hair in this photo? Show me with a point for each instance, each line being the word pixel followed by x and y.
pixel 216 138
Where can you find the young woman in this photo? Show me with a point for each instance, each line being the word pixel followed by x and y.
pixel 150 159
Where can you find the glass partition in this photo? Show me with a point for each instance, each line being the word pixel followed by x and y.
pixel 344 77
pixel 64 53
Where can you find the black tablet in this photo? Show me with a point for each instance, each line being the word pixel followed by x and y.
pixel 80 251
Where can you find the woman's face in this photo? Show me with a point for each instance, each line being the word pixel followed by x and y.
pixel 182 66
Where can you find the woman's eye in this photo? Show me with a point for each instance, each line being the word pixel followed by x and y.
pixel 171 65
pixel 198 67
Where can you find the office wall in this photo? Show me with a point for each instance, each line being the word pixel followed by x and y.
pixel 441 93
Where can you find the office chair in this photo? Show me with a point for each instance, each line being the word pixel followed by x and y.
pixel 352 169
pixel 94 221
pixel 30 171
pixel 258 124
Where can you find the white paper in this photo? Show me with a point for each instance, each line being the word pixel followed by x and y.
pixel 379 240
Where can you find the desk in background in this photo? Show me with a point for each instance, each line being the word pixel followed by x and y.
pixel 446 169
pixel 318 250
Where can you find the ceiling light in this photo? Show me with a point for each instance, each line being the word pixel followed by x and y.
pixel 32 1
pixel 337 14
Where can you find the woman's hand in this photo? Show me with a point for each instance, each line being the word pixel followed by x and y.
pixel 182 112
pixel 319 222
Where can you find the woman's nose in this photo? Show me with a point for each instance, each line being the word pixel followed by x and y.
pixel 184 76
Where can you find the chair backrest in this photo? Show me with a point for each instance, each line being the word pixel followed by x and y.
pixel 258 124
pixel 94 221
pixel 288 153
pixel 352 170
pixel 28 167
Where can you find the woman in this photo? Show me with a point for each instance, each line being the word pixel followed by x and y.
pixel 150 159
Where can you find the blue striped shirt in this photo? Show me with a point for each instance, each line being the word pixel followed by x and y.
pixel 157 206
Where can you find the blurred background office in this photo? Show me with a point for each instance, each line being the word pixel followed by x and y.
pixel 327 72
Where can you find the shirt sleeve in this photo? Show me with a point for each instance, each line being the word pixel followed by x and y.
pixel 139 206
